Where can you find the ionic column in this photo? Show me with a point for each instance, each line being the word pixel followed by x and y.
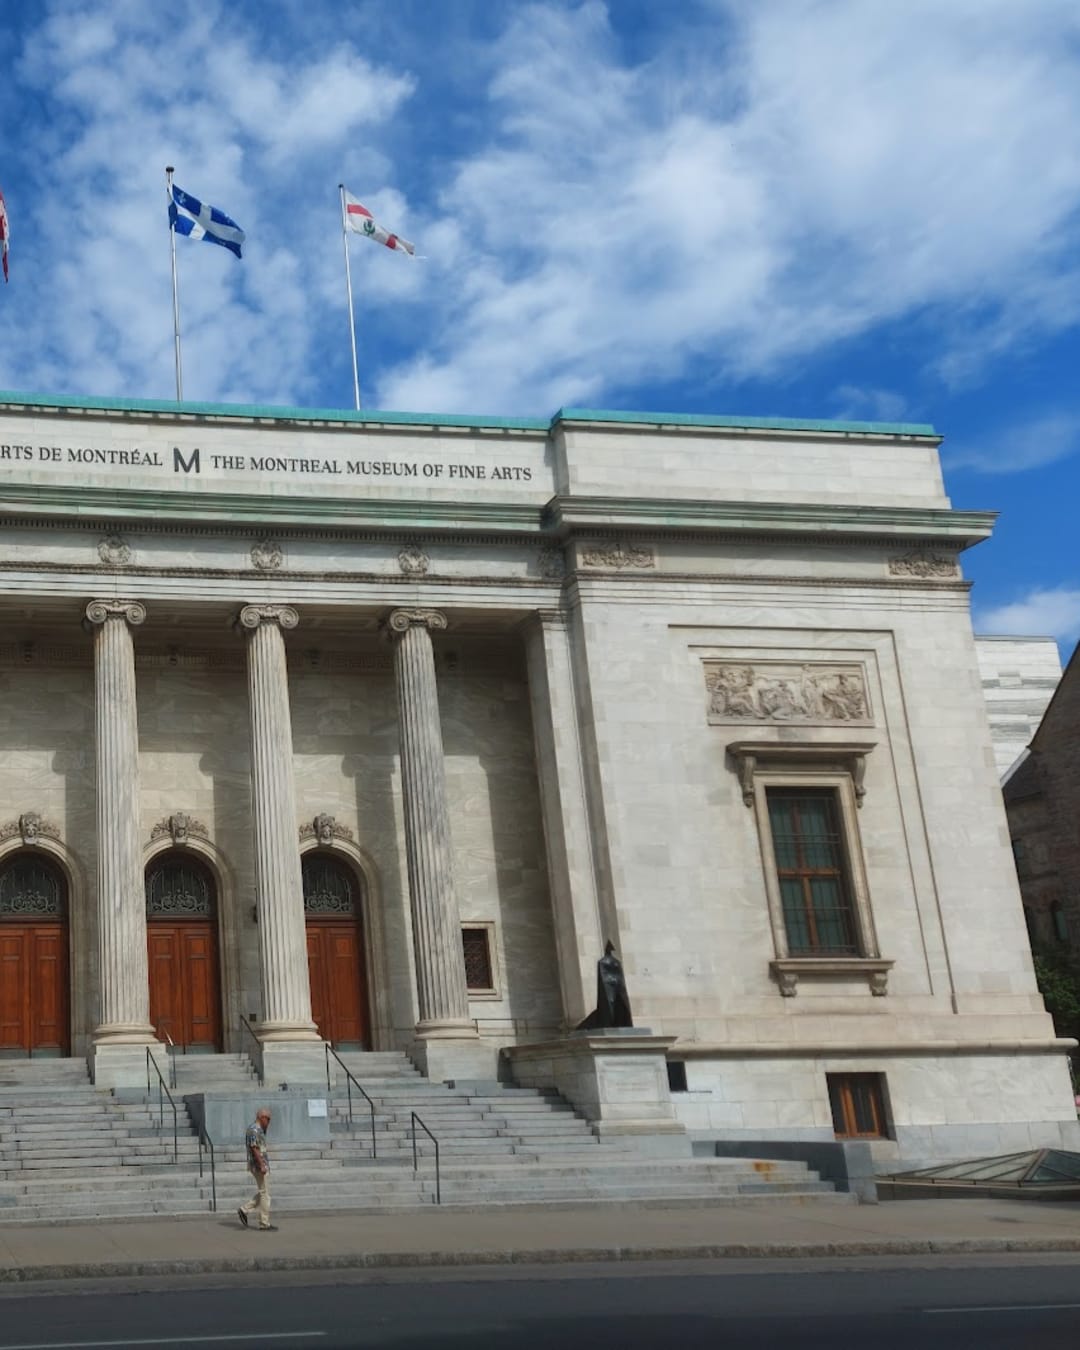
pixel 121 896
pixel 440 965
pixel 286 992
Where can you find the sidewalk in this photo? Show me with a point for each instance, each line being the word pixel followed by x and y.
pixel 217 1243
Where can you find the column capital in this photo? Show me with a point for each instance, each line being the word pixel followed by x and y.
pixel 98 611
pixel 401 620
pixel 253 616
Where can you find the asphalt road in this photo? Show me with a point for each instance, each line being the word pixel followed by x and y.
pixel 718 1306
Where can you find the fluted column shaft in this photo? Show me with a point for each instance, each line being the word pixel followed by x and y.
pixel 286 991
pixel 122 960
pixel 440 966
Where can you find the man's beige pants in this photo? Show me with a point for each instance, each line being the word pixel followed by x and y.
pixel 261 1199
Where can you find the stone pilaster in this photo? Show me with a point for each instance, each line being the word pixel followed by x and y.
pixel 440 967
pixel 121 896
pixel 286 993
pixel 565 802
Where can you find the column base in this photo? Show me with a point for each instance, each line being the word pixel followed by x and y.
pixel 289 1031
pixel 447 1029
pixel 449 1058
pixel 119 1060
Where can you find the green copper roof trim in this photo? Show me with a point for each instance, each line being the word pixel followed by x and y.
pixel 268 412
pixel 749 423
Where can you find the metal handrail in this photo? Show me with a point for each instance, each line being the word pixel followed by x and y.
pixel 258 1045
pixel 204 1138
pixel 350 1083
pixel 172 1055
pixel 163 1088
pixel 438 1173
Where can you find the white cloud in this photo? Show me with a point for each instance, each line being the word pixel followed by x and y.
pixel 1053 611
pixel 771 179
pixel 813 170
pixel 854 404
pixel 1028 445
pixel 263 140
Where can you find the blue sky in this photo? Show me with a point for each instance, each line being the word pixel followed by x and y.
pixel 807 208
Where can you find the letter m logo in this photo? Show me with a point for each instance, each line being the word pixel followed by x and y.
pixel 189 464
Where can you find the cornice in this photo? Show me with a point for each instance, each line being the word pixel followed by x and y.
pixel 687 1049
pixel 260 511
pixel 561 519
pixel 628 581
pixel 566 516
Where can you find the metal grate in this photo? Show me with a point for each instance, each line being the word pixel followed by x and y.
pixel 30 887
pixel 179 888
pixel 477 948
pixel 329 887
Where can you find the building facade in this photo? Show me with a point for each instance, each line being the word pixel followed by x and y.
pixel 1042 800
pixel 1019 676
pixel 373 729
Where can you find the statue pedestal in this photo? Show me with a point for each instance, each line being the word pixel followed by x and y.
pixel 616 1077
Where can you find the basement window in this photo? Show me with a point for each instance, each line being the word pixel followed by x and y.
pixel 858 1105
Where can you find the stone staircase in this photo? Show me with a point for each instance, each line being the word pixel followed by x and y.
pixel 206 1073
pixel 70 1151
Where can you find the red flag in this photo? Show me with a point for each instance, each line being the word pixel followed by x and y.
pixel 3 236
pixel 359 220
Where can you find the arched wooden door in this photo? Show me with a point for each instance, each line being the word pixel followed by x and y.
pixel 182 948
pixel 34 976
pixel 335 945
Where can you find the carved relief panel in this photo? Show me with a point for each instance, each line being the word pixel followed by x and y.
pixel 788 692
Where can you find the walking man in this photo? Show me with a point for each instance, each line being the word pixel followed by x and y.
pixel 258 1161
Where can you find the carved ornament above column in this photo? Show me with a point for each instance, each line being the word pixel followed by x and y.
pixel 252 616
pixel 325 829
pixel 267 555
pixel 98 611
pixel 30 827
pixel 179 826
pixel 115 551
pixel 413 561
pixel 401 620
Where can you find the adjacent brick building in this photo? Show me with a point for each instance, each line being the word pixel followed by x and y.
pixel 1042 798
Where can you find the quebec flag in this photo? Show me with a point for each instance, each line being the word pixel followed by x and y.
pixel 188 215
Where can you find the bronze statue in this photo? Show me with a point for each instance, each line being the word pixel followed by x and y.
pixel 612 1001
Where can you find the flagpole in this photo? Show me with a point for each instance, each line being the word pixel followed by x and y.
pixel 348 286
pixel 175 293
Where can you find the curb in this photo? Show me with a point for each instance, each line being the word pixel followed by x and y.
pixel 709 1251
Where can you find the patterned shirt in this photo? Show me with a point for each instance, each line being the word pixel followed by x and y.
pixel 255 1139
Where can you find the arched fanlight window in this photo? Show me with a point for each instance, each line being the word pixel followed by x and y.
pixel 31 887
pixel 178 887
pixel 329 886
